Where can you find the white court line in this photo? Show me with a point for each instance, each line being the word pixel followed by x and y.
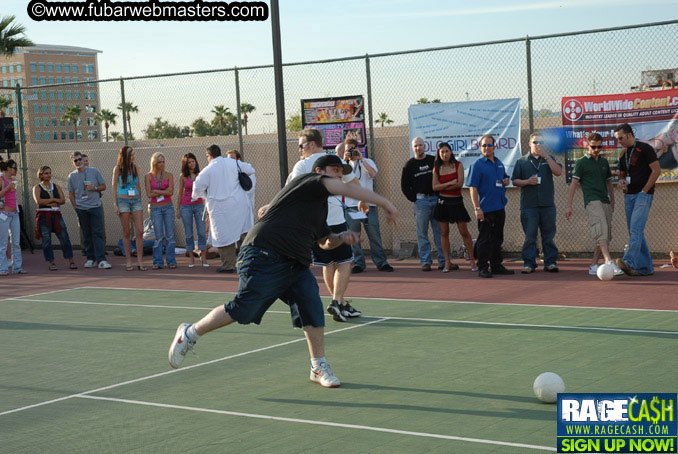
pixel 173 371
pixel 412 319
pixel 560 306
pixel 38 294
pixel 323 423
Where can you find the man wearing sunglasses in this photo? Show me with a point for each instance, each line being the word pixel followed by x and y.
pixel 533 174
pixel 85 185
pixel 638 172
pixel 487 185
pixel 592 172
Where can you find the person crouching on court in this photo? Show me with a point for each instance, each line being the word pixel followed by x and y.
pixel 274 263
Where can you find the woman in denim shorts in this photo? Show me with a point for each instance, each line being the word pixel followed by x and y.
pixel 127 196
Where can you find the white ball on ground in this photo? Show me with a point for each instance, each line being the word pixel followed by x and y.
pixel 605 272
pixel 547 386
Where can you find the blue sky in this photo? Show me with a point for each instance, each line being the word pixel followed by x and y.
pixel 313 30
pixel 321 29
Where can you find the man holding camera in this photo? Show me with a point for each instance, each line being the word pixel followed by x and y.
pixel 364 170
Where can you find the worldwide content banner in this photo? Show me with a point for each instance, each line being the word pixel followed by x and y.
pixel 461 124
pixel 624 423
pixel 337 119
pixel 652 114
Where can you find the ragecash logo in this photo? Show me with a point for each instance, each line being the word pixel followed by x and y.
pixel 646 423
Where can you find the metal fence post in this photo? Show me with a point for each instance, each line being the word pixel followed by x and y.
pixel 528 56
pixel 24 163
pixel 237 100
pixel 124 110
pixel 279 91
pixel 369 103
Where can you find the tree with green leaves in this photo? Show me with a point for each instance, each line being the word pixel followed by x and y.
pixel 129 108
pixel 220 115
pixel 383 119
pixel 4 104
pixel 201 128
pixel 116 136
pixel 107 118
pixel 72 115
pixel 162 129
pixel 11 36
pixel 426 101
pixel 246 108
pixel 293 123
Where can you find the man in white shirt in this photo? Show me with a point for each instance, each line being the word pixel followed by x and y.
pixel 365 170
pixel 227 204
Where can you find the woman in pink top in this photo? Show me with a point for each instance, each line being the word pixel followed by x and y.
pixel 160 187
pixel 10 228
pixel 189 209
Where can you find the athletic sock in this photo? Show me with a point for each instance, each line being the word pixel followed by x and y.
pixel 192 334
pixel 315 362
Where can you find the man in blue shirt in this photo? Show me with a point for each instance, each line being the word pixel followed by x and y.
pixel 533 174
pixel 487 184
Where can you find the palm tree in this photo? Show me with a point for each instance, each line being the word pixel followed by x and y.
pixel 220 115
pixel 293 123
pixel 246 108
pixel 129 108
pixel 116 136
pixel 426 101
pixel 10 36
pixel 4 104
pixel 383 119
pixel 107 118
pixel 72 115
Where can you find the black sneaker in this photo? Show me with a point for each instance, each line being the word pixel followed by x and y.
pixel 386 268
pixel 349 311
pixel 335 311
pixel 356 269
pixel 484 273
pixel 501 270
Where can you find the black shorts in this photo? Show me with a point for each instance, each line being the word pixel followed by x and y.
pixel 451 209
pixel 341 254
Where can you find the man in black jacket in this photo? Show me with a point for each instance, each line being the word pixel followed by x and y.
pixel 416 183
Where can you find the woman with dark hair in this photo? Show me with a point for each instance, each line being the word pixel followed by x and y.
pixel 49 197
pixel 127 198
pixel 10 229
pixel 448 179
pixel 188 209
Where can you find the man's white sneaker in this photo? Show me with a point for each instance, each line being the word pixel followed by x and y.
pixel 324 377
pixel 180 345
pixel 104 265
pixel 90 264
pixel 593 270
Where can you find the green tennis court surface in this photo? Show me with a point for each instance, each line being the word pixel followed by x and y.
pixel 85 371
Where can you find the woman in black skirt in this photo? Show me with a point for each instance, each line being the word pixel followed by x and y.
pixel 448 179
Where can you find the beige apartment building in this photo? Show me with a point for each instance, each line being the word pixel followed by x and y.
pixel 41 68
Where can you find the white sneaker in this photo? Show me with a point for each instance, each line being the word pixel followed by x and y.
pixel 324 377
pixel 179 346
pixel 593 270
pixel 617 271
pixel 90 264
pixel 104 265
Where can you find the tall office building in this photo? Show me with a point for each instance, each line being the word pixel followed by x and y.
pixel 40 69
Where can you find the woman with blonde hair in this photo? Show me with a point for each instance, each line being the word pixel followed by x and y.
pixel 160 188
pixel 127 198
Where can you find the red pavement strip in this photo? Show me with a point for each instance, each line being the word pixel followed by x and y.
pixel 572 286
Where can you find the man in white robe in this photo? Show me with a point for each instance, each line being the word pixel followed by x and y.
pixel 227 204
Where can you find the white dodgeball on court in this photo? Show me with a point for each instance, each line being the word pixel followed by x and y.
pixel 605 272
pixel 547 386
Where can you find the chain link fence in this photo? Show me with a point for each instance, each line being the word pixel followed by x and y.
pixel 235 108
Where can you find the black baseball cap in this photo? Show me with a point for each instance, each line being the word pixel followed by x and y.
pixel 332 160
